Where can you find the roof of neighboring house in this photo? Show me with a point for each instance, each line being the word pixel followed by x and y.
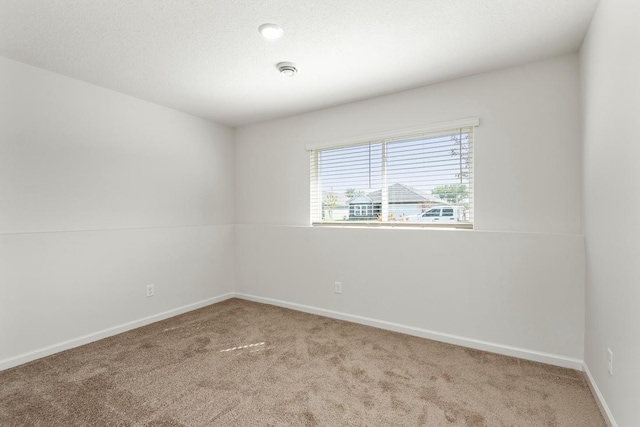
pixel 360 200
pixel 399 193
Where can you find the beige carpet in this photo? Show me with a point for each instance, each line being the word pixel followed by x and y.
pixel 240 363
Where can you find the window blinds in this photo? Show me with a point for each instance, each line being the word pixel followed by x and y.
pixel 395 180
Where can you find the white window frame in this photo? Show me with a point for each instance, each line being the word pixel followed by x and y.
pixel 384 138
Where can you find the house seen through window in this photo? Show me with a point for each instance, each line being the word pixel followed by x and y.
pixel 419 178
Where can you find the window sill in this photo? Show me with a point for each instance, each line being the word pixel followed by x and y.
pixel 378 224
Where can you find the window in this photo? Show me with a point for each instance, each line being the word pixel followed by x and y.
pixel 396 178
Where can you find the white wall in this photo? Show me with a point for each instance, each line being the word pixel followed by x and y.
pixel 611 96
pixel 527 173
pixel 100 195
pixel 514 288
pixel 517 290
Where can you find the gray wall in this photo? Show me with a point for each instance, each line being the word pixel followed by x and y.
pixel 514 285
pixel 611 96
pixel 100 195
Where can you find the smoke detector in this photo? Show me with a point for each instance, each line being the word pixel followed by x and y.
pixel 287 69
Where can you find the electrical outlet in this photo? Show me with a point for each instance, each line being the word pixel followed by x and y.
pixel 610 361
pixel 338 288
pixel 149 290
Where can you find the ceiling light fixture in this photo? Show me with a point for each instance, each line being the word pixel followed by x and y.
pixel 270 31
pixel 287 69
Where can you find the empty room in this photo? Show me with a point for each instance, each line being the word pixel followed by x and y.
pixel 319 213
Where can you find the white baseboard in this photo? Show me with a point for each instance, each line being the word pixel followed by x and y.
pixel 86 339
pixel 506 350
pixel 604 408
pixel 536 356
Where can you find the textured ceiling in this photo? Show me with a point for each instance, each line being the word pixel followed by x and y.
pixel 206 57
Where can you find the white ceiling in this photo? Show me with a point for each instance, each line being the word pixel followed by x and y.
pixel 206 57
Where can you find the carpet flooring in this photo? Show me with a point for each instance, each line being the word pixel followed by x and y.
pixel 240 363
